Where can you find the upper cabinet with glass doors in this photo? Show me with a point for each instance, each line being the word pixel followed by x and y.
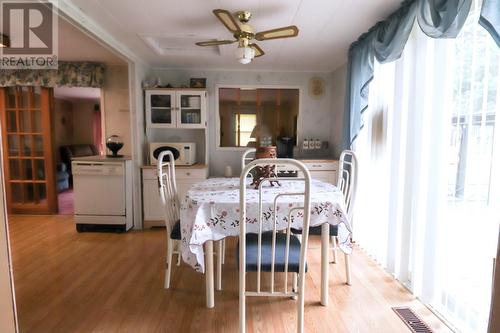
pixel 176 108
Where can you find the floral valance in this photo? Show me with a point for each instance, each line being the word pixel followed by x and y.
pixel 68 74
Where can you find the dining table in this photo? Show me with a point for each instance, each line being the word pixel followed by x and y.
pixel 210 212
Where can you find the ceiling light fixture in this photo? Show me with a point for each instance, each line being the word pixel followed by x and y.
pixel 244 34
pixel 4 40
pixel 245 54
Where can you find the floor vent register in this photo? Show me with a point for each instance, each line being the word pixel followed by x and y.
pixel 411 320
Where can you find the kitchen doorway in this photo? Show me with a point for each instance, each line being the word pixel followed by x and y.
pixel 77 131
pixel 43 129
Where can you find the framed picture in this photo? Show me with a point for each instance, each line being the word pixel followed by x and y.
pixel 316 87
pixel 198 83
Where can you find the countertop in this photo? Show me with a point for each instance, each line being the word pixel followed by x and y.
pixel 102 158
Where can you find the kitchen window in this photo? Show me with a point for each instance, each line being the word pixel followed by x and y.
pixel 257 116
pixel 244 124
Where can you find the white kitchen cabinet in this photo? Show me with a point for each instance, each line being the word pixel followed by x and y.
pixel 151 204
pixel 153 214
pixel 176 108
pixel 324 170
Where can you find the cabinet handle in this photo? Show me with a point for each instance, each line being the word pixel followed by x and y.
pixel 188 173
pixel 316 165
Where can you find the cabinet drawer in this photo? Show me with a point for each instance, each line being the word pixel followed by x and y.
pixel 190 173
pixel 180 173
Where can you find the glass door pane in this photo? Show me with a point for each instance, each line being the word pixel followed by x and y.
pixel 28 158
pixel 470 219
pixel 190 107
pixel 161 109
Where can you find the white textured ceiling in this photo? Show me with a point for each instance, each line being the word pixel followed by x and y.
pixel 327 27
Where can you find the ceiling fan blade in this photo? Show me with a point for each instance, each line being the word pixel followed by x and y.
pixel 258 50
pixel 227 19
pixel 285 32
pixel 215 42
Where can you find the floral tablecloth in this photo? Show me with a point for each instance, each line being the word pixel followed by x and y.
pixel 210 211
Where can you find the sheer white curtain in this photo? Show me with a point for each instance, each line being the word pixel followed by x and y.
pixel 428 205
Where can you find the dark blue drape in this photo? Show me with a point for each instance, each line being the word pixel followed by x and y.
pixel 386 41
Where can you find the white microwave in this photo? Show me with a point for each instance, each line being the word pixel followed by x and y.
pixel 184 152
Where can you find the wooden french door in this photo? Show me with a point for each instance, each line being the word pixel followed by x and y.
pixel 27 150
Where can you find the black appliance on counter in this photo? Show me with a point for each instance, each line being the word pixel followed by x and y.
pixel 284 146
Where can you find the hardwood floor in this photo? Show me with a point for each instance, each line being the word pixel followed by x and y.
pixel 105 282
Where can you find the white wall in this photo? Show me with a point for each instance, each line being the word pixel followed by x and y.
pixel 137 72
pixel 315 118
pixel 337 110
pixel 116 105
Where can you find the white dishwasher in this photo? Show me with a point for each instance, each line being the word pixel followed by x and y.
pixel 103 193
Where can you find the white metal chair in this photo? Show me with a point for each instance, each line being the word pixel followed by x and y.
pixel 274 251
pixel 247 157
pixel 346 182
pixel 170 200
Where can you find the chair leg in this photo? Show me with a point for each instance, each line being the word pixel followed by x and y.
pixel 219 265
pixel 178 253
pixel 223 251
pixel 168 270
pixel 334 248
pixel 294 284
pixel 300 314
pixel 347 269
pixel 242 311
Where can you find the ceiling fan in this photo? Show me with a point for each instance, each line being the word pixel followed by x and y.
pixel 244 33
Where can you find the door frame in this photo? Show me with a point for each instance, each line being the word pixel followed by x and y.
pixel 8 314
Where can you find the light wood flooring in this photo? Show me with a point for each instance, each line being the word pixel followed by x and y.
pixel 106 282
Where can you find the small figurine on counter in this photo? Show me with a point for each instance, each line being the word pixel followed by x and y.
pixel 266 171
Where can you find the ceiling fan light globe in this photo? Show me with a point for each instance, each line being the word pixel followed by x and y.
pixel 245 54
pixel 244 61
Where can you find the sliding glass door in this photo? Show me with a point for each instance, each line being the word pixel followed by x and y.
pixel 428 206
pixel 469 231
